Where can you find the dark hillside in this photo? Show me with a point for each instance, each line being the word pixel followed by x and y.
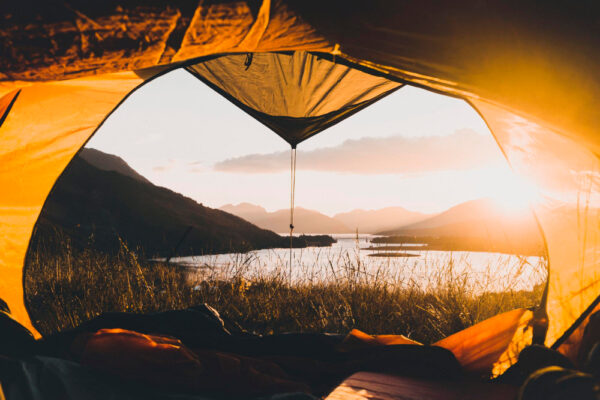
pixel 109 162
pixel 97 208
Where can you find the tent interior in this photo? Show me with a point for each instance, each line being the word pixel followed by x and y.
pixel 295 80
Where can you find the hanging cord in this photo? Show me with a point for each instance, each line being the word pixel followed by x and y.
pixel 292 198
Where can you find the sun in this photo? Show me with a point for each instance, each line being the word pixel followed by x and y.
pixel 511 192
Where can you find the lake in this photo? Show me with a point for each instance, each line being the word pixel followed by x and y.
pixel 349 260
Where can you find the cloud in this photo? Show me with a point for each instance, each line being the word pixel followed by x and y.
pixel 175 164
pixel 162 168
pixel 196 167
pixel 464 149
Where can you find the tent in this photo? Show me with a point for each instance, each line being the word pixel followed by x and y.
pixel 529 68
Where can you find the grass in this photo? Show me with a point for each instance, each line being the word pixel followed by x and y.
pixel 68 287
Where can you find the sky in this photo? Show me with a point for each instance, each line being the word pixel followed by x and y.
pixel 416 149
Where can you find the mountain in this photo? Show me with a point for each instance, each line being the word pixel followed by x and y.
pixel 311 221
pixel 109 162
pixel 246 211
pixel 478 225
pixel 305 221
pixel 472 210
pixel 101 202
pixel 372 221
pixel 481 211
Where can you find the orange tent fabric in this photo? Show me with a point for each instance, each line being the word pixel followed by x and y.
pixel 47 125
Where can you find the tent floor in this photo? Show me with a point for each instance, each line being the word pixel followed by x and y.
pixel 369 385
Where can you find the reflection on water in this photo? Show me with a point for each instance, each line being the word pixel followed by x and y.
pixel 349 259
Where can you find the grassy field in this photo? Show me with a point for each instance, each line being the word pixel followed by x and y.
pixel 68 288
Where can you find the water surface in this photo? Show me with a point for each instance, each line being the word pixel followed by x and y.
pixel 348 259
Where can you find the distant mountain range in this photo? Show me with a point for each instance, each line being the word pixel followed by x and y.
pixel 100 201
pixel 477 225
pixel 480 216
pixel 373 221
pixel 311 221
pixel 305 221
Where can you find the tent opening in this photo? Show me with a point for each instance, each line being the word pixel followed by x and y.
pixel 413 189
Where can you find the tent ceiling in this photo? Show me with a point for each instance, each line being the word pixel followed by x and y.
pixel 55 40
pixel 295 94
pixel 537 60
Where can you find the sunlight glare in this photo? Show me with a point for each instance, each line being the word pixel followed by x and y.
pixel 511 192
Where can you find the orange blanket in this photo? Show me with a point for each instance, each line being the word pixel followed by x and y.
pixel 488 347
pixel 166 362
